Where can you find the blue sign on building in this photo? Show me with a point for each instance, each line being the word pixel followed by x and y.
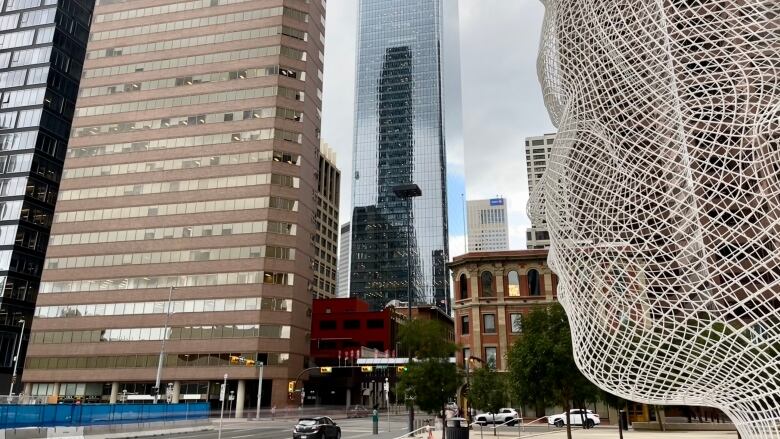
pixel 496 201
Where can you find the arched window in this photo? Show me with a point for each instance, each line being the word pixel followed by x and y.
pixel 464 287
pixel 513 281
pixel 487 283
pixel 534 287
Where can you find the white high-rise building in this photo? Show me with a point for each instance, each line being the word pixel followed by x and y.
pixel 487 225
pixel 537 154
pixel 345 244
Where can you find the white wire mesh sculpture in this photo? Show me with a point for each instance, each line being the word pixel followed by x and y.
pixel 662 198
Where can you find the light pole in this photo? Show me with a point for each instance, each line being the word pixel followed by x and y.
pixel 407 192
pixel 16 360
pixel 162 347
pixel 259 389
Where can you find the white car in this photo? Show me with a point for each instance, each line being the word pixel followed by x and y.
pixel 501 417
pixel 575 417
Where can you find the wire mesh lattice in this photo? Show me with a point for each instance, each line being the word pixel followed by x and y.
pixel 662 198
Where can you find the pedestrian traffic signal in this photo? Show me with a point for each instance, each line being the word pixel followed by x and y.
pixel 400 369
pixel 366 368
pixel 326 369
pixel 234 359
pixel 249 363
pixel 291 386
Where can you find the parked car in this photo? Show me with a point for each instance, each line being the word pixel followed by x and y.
pixel 358 411
pixel 575 417
pixel 317 427
pixel 501 417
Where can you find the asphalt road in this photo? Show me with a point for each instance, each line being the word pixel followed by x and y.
pixel 281 429
pixel 350 429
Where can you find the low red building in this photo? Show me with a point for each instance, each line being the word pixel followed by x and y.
pixel 342 326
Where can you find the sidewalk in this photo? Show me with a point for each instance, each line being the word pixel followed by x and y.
pixel 595 433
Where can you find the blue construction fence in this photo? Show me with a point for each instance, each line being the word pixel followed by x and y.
pixel 75 415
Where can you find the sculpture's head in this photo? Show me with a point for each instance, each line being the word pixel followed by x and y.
pixel 662 195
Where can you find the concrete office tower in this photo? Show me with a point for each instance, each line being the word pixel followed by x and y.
pixel 326 245
pixel 488 228
pixel 342 287
pixel 42 47
pixel 192 165
pixel 399 140
pixel 537 155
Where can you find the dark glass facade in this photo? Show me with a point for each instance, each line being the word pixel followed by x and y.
pixel 42 48
pixel 399 139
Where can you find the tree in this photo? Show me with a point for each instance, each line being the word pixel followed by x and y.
pixel 430 378
pixel 488 390
pixel 542 366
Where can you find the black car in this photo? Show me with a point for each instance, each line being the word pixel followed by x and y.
pixel 317 427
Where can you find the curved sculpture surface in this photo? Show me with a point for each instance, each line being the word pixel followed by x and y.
pixel 662 197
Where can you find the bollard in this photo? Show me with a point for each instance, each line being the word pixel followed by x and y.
pixel 375 421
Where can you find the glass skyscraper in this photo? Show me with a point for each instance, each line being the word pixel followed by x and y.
pixel 399 139
pixel 42 46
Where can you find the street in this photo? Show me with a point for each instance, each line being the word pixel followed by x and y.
pixel 350 429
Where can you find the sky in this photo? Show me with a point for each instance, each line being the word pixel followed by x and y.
pixel 500 103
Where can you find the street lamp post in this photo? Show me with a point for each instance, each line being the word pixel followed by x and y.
pixel 259 389
pixel 162 347
pixel 16 360
pixel 407 192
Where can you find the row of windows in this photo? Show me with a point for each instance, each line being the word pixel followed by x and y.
pixel 352 324
pixel 21 98
pixel 185 163
pixel 28 19
pixel 212 58
pixel 186 142
pixel 16 78
pixel 194 120
pixel 177 209
pixel 20 119
pixel 205 99
pixel 488 289
pixel 165 9
pixel 14 210
pixel 198 41
pixel 171 257
pixel 180 186
pixel 15 5
pixel 213 20
pixel 26 57
pixel 192 80
pixel 174 232
pixel 157 334
pixel 149 361
pixel 196 280
pixel 177 306
pixel 489 323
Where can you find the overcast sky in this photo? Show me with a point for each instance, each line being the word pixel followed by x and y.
pixel 500 96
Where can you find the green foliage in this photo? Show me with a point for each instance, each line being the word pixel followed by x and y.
pixel 487 389
pixel 541 362
pixel 430 378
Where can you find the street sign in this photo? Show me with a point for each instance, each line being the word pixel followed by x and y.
pixel 366 369
pixel 326 369
pixel 221 392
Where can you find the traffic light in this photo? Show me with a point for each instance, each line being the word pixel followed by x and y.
pixel 400 369
pixel 366 368
pixel 249 363
pixel 326 369
pixel 234 359
pixel 291 386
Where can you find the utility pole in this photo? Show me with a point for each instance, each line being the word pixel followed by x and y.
pixel 16 361
pixel 259 389
pixel 162 347
pixel 222 409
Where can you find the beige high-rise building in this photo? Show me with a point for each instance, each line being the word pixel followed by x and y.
pixel 191 171
pixel 488 228
pixel 537 155
pixel 327 244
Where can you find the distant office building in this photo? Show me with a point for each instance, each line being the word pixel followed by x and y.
pixel 342 286
pixel 399 140
pixel 488 228
pixel 537 155
pixel 192 166
pixel 326 245
pixel 42 48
